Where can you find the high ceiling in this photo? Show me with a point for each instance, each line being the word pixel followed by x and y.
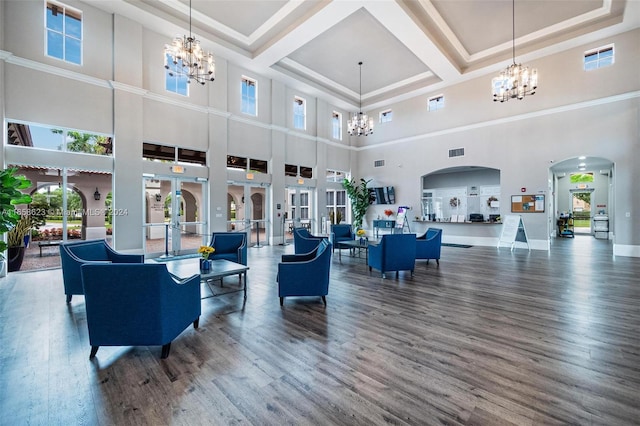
pixel 408 47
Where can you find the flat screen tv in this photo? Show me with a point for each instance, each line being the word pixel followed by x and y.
pixel 383 195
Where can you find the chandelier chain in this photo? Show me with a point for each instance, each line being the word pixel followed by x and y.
pixel 360 124
pixel 516 81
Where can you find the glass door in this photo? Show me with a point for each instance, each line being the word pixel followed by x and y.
pixel 175 215
pixel 246 207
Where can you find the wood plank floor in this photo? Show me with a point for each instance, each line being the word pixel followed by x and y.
pixel 490 337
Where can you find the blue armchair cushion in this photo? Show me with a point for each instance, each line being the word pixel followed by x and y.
pixel 307 274
pixel 395 252
pixel 74 254
pixel 429 244
pixel 137 304
pixel 230 246
pixel 303 241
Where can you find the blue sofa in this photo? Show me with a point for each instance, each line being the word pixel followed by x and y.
pixel 342 232
pixel 428 245
pixel 304 242
pixel 395 252
pixel 138 305
pixel 74 254
pixel 230 246
pixel 305 274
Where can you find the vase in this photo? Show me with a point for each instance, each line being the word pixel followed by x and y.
pixel 205 265
pixel 363 241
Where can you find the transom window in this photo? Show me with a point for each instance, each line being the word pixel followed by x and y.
pixel 63 32
pixel 598 58
pixel 435 103
pixel 58 139
pixel 336 125
pixel 176 81
pixel 335 176
pixel 292 170
pixel 249 96
pixel 171 154
pixel 386 116
pixel 299 113
pixel 240 163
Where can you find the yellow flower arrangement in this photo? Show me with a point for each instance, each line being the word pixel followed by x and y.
pixel 205 251
pixel 360 233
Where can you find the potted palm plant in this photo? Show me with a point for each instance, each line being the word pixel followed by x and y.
pixel 360 199
pixel 10 196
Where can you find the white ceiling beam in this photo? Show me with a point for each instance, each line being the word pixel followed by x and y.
pixel 395 19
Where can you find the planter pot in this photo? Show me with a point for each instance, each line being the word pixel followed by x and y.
pixel 14 258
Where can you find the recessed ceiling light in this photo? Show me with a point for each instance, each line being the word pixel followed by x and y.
pixel 582 164
pixel 582 157
pixel 582 169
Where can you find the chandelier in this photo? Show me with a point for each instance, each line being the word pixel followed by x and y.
pixel 189 59
pixel 516 81
pixel 360 124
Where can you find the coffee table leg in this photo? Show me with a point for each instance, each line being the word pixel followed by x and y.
pixel 245 285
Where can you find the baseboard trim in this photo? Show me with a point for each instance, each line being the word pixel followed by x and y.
pixel 626 250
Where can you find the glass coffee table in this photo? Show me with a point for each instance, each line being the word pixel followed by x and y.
pixel 356 244
pixel 187 267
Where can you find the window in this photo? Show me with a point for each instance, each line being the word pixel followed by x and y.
pixel 304 205
pixel 299 113
pixel 176 81
pixel 58 139
pixel 298 171
pixel 336 176
pixel 598 58
pixel 165 153
pixel 435 103
pixel 249 96
pixel 336 205
pixel 386 116
pixel 336 125
pixel 63 33
pixel 240 163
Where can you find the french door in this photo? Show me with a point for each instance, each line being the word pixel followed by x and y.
pixel 175 215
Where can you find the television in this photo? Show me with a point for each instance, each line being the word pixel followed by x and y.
pixel 382 195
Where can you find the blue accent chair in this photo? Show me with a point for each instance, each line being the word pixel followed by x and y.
pixel 74 254
pixel 303 241
pixel 395 252
pixel 305 274
pixel 138 305
pixel 230 246
pixel 429 244
pixel 342 232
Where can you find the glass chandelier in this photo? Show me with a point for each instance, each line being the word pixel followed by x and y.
pixel 360 124
pixel 188 58
pixel 516 81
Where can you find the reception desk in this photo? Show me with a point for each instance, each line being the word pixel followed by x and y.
pixel 472 233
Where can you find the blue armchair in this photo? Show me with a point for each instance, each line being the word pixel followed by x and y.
pixel 138 305
pixel 305 274
pixel 341 232
pixel 74 254
pixel 395 252
pixel 429 244
pixel 229 245
pixel 304 242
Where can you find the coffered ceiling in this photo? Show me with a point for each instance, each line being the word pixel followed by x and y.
pixel 407 47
